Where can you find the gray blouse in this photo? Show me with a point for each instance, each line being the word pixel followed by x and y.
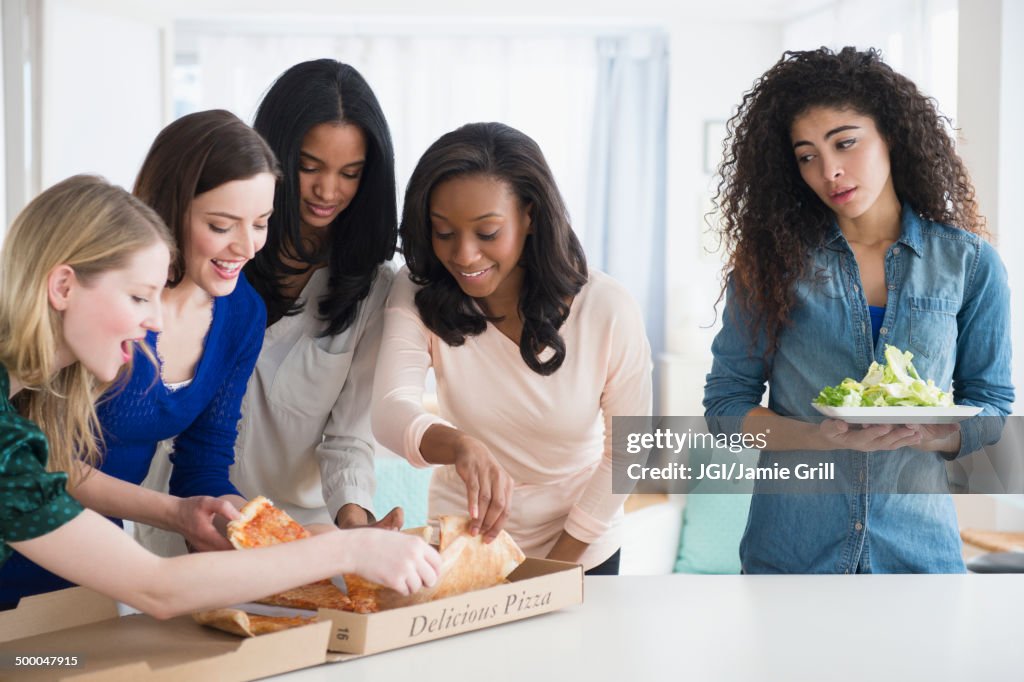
pixel 304 439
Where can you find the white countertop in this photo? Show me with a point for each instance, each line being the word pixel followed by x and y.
pixel 686 627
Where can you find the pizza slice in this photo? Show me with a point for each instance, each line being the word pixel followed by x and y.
pixel 262 524
pixel 243 624
pixel 467 564
pixel 477 565
pixel 318 595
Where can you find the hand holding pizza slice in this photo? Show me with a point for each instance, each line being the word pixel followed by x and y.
pixel 398 560
pixel 468 563
pixel 262 524
pixel 395 560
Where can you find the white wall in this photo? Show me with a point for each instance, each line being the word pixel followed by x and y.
pixel 103 89
pixel 105 99
pixel 3 149
pixel 713 64
pixel 713 61
pixel 1011 175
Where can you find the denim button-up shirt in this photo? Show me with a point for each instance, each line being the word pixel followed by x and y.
pixel 949 304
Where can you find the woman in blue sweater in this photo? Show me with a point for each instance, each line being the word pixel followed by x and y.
pixel 211 178
pixel 81 276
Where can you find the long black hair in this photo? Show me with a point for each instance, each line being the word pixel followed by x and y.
pixel 362 236
pixel 556 268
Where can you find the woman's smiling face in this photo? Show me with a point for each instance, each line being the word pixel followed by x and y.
pixel 102 319
pixel 227 226
pixel 331 164
pixel 478 230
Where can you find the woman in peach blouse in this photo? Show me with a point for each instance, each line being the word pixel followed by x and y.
pixel 533 353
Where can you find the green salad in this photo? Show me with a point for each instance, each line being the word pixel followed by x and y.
pixel 894 384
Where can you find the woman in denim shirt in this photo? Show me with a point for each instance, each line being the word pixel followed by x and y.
pixel 850 223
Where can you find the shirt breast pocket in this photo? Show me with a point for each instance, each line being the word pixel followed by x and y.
pixel 310 379
pixel 933 330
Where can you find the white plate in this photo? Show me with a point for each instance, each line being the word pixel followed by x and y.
pixel 899 415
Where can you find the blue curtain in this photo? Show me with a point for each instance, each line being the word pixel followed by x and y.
pixel 625 231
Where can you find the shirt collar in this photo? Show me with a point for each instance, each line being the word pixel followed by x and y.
pixel 910 231
pixel 910 228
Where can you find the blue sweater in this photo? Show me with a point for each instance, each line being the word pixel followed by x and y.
pixel 202 416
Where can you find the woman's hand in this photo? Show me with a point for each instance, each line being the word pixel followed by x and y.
pixel 488 488
pixel 353 516
pixel 938 437
pixel 194 519
pixel 402 562
pixel 840 435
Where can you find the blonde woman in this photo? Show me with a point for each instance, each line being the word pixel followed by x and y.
pixel 83 268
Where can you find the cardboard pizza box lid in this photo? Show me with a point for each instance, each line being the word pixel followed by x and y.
pixel 55 610
pixel 139 647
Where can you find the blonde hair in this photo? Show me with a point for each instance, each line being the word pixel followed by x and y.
pixel 94 227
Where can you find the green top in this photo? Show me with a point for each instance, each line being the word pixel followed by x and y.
pixel 33 501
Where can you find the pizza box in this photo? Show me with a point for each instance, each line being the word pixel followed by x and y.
pixel 537 586
pixel 81 624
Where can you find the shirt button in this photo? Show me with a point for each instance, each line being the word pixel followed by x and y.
pixel 856 288
pixel 859 526
pixel 883 331
pixel 896 251
pixel 891 287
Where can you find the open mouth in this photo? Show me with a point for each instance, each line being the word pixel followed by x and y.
pixel 842 196
pixel 226 268
pixel 127 349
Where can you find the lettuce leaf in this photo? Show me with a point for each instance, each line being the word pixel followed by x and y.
pixel 894 384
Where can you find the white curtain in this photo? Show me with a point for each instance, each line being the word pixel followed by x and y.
pixel 426 84
pixel 626 190
pixel 595 102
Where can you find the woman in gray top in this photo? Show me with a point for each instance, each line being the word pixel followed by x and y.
pixel 304 439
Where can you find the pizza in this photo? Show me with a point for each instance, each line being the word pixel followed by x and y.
pixel 243 624
pixel 318 595
pixel 262 524
pixel 467 564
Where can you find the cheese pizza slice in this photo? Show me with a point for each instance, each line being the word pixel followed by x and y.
pixel 467 564
pixel 262 524
pixel 243 624
pixel 318 595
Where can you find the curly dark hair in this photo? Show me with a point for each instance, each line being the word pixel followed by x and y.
pixel 362 236
pixel 556 268
pixel 770 219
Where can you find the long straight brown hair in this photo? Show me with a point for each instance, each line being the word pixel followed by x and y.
pixel 192 155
